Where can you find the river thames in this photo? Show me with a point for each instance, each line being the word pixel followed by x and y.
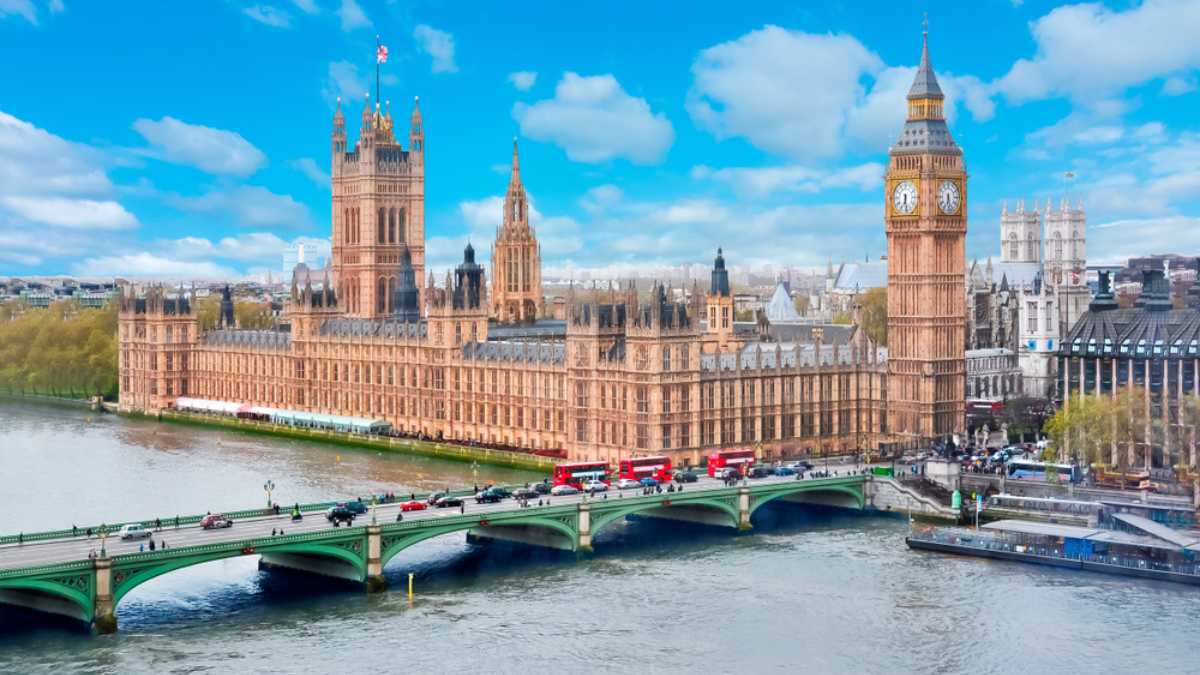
pixel 812 590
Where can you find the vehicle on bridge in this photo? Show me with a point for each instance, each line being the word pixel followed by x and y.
pixel 564 489
pixel 623 483
pixel 785 471
pixel 657 467
pixel 492 495
pixel 134 531
pixel 595 486
pixel 527 493
pixel 447 501
pixel 760 471
pixel 686 476
pixel 214 521
pixel 414 505
pixel 339 514
pixel 729 459
pixel 357 507
pixel 576 473
pixel 648 482
pixel 1025 468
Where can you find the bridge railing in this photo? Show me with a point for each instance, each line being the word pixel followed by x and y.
pixel 170 522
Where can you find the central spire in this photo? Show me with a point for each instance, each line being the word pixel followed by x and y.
pixel 516 164
pixel 925 84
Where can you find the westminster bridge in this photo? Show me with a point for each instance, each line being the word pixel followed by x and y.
pixel 71 573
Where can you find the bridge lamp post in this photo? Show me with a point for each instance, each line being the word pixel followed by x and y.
pixel 269 487
pixel 374 508
pixel 475 474
pixel 103 534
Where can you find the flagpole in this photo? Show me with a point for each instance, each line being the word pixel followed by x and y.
pixel 376 70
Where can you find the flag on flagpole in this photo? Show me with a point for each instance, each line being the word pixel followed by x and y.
pixel 381 54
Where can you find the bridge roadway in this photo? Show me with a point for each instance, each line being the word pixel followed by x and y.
pixel 59 575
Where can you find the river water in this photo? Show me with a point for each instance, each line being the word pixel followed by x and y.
pixel 811 590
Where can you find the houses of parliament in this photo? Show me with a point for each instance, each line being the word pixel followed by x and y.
pixel 473 358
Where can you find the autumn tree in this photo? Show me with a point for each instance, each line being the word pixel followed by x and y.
pixel 872 312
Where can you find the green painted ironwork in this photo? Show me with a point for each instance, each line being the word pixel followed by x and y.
pixel 76 580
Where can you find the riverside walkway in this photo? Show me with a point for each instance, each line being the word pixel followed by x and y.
pixel 68 573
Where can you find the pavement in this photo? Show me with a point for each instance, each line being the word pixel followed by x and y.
pixel 69 549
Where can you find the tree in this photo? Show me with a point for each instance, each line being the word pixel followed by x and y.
pixel 743 315
pixel 1024 415
pixel 61 350
pixel 800 302
pixel 206 309
pixel 843 318
pixel 254 315
pixel 873 314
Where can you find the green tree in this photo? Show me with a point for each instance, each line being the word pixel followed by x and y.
pixel 256 315
pixel 873 314
pixel 800 302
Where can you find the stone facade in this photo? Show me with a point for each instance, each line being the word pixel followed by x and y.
pixel 926 192
pixel 627 374
pixel 516 258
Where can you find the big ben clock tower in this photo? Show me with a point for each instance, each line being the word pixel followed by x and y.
pixel 926 195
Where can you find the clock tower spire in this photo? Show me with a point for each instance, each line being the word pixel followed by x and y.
pixel 926 223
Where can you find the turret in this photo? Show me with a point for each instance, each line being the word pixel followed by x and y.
pixel 338 137
pixel 416 132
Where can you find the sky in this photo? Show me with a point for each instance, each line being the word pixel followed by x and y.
pixel 191 140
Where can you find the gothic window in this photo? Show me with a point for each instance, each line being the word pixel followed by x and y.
pixel 381 295
pixel 380 227
pixel 1012 246
pixel 400 226
pixel 391 226
pixel 666 358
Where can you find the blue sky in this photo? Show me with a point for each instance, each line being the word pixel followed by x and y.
pixel 191 140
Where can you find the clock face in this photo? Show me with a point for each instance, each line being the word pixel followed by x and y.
pixel 904 197
pixel 948 197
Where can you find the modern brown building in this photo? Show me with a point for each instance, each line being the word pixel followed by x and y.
pixel 624 374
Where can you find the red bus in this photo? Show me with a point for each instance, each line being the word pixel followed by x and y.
pixel 737 459
pixel 576 473
pixel 657 467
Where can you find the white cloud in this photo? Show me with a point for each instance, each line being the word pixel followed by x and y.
pixel 262 248
pixel 248 205
pixel 83 214
pixel 763 181
pixel 595 120
pixel 56 6
pixel 34 161
pixel 308 167
pixel 1178 86
pixel 439 45
pixel 1086 51
pixel 818 93
pixel 352 16
pixel 786 92
pixel 307 6
pixel 21 8
pixel 345 81
pixel 269 16
pixel 149 265
pixel 1116 241
pixel 600 198
pixel 523 80
pixel 212 150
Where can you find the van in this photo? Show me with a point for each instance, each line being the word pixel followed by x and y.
pixel 134 531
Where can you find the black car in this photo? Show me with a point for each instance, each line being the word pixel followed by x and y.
pixel 434 497
pixel 526 493
pixel 541 488
pixel 686 477
pixel 357 507
pixel 339 514
pixel 488 496
pixel 761 472
pixel 448 500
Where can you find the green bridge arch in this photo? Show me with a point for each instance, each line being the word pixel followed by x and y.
pixel 397 538
pixel 79 593
pixel 605 515
pixel 852 489
pixel 127 577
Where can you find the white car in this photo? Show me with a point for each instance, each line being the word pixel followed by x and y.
pixel 595 486
pixel 560 490
pixel 134 531
pixel 627 483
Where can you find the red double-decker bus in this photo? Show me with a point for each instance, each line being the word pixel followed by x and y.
pixel 741 460
pixel 576 473
pixel 657 467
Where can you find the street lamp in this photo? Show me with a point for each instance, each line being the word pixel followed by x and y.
pixel 103 534
pixel 269 487
pixel 475 474
pixel 374 509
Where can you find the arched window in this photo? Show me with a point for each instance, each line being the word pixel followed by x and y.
pixel 400 235
pixel 379 227
pixel 1012 246
pixel 392 226
pixel 346 225
pixel 381 295
pixel 391 294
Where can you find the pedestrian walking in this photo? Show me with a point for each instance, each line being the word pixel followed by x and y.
pixel 151 544
pixel 272 532
pixel 74 530
pixel 89 533
pixel 177 522
pixel 158 524
pixel 141 548
pixel 462 508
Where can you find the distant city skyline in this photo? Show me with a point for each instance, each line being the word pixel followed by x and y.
pixel 171 159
